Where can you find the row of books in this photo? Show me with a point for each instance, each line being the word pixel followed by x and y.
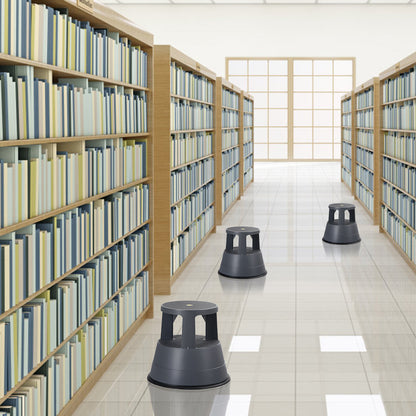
pixel 230 158
pixel 40 178
pixel 365 138
pixel 32 108
pixel 403 86
pixel 230 99
pixel 185 115
pixel 36 255
pixel 248 106
pixel 346 162
pixel 183 214
pixel 365 196
pixel 400 116
pixel 186 180
pixel 41 33
pixel 42 324
pixel 248 135
pixel 186 147
pixel 346 106
pixel 182 246
pixel 346 176
pixel 400 233
pixel 400 145
pixel 347 149
pixel 248 149
pixel 47 392
pixel 365 98
pixel 230 176
pixel 365 176
pixel 365 118
pixel 230 118
pixel 229 138
pixel 248 120
pixel 365 157
pixel 346 134
pixel 400 174
pixel 248 163
pixel 346 120
pixel 189 85
pixel 400 203
pixel 230 195
pixel 248 176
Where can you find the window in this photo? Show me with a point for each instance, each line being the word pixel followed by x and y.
pixel 296 104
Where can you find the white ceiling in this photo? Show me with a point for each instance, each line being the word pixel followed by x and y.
pixel 396 2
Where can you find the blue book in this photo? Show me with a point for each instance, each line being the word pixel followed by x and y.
pixel 28 315
pixel 24 237
pixel 49 31
pixel 8 369
pixel 47 110
pixel 25 28
pixel 9 19
pixel 4 97
pixel 29 28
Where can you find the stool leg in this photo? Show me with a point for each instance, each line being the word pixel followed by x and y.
pixel 352 215
pixel 167 327
pixel 230 242
pixel 211 331
pixel 256 241
pixel 188 331
pixel 242 246
pixel 331 215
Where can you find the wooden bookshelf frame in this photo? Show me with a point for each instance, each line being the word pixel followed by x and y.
pixel 375 84
pixel 219 171
pixel 249 97
pixel 163 56
pixel 99 16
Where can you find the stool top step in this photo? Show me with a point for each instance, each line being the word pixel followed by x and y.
pixel 242 230
pixel 341 206
pixel 192 307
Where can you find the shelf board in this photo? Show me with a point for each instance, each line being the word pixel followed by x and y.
pixel 400 100
pixel 401 190
pixel 190 131
pixel 69 272
pixel 225 170
pixel 251 167
pixel 346 169
pixel 413 165
pixel 191 162
pixel 399 130
pixel 365 186
pixel 65 208
pixel 364 166
pixel 364 128
pixel 398 216
pixel 224 107
pixel 230 128
pixel 69 139
pixel 190 193
pixel 245 157
pixel 248 112
pixel 224 191
pixel 181 97
pixel 365 147
pixel 364 108
pixel 229 148
pixel 184 229
pixel 179 270
pixel 67 339
pixel 61 72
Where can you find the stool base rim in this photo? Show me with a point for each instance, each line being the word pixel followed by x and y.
pixel 341 244
pixel 172 386
pixel 242 277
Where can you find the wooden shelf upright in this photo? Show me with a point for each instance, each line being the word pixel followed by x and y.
pixel 166 163
pixel 225 146
pixel 99 17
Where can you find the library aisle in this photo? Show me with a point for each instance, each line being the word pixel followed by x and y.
pixel 329 331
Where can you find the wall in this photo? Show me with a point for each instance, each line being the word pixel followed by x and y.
pixel 377 35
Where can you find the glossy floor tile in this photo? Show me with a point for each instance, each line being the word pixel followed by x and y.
pixel 336 323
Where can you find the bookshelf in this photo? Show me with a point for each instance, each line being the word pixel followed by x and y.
pixel 347 140
pixel 398 164
pixel 228 149
pixel 76 240
pixel 367 147
pixel 184 175
pixel 247 134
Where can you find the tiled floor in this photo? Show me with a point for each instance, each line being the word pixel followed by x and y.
pixel 312 290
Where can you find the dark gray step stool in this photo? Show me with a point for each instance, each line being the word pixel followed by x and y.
pixel 341 230
pixel 189 361
pixel 242 261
